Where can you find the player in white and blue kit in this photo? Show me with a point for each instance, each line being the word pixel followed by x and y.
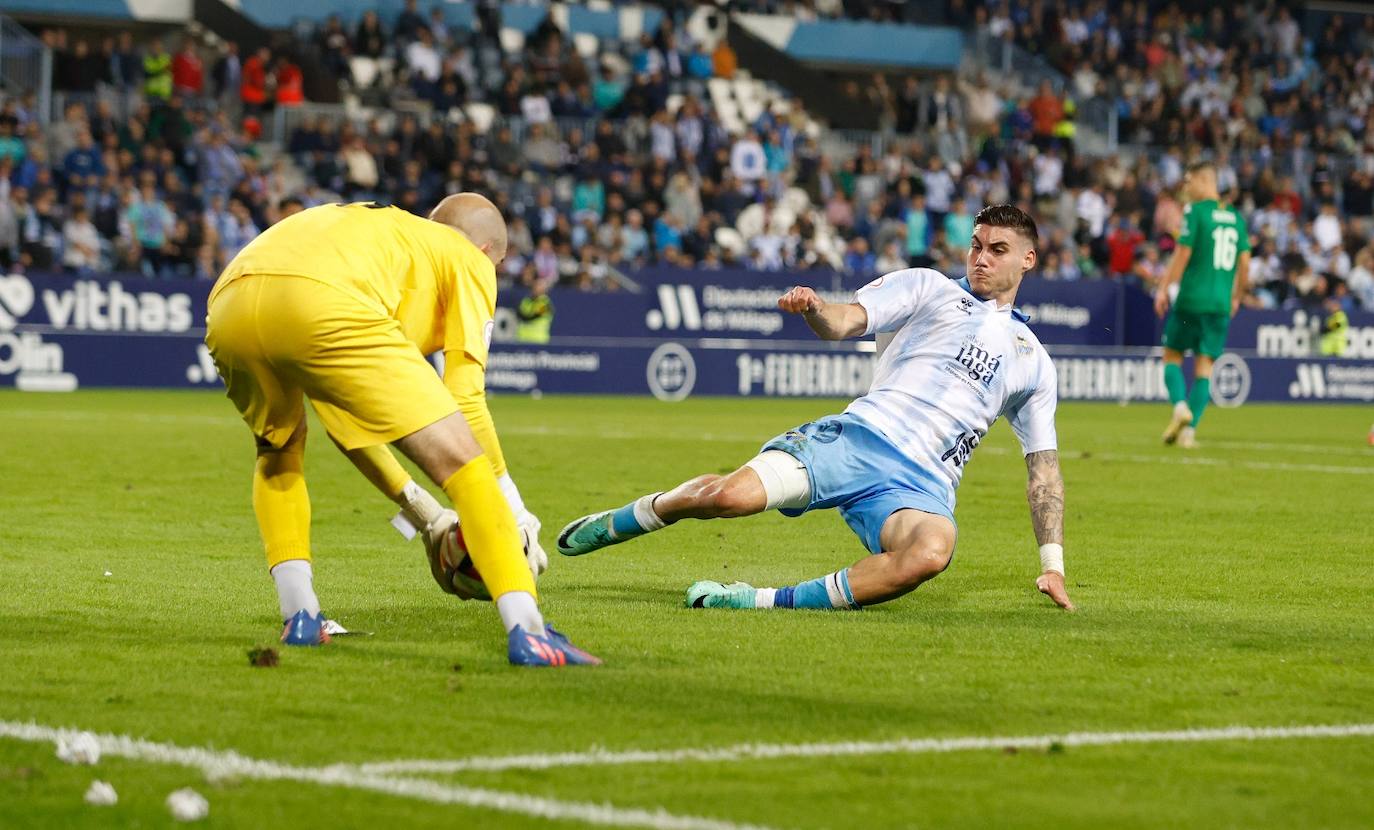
pixel 955 356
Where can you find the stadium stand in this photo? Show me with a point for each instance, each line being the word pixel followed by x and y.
pixel 618 135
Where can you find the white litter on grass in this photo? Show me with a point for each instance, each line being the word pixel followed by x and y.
pixel 221 763
pixel 107 573
pixel 81 748
pixel 101 794
pixel 188 805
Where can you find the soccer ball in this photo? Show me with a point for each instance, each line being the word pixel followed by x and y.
pixel 458 570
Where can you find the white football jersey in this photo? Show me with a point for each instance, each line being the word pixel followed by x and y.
pixel 954 364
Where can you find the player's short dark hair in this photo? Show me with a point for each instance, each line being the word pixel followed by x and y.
pixel 1201 165
pixel 1009 216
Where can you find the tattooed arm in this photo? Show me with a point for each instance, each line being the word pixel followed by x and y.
pixel 1045 493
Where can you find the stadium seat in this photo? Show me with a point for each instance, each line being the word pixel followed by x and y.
pixel 730 240
pixel 631 23
pixel 481 115
pixel 558 14
pixel 364 71
pixel 586 45
pixel 796 200
pixel 750 222
pixel 782 220
pixel 743 89
pixel 751 110
pixel 512 40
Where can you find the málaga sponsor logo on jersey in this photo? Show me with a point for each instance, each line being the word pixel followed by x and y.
pixel 1332 382
pixel 721 308
pixel 805 374
pixel 1300 338
pixel 963 446
pixel 977 365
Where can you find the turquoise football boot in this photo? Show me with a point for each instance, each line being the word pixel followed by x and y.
pixel 708 594
pixel 589 533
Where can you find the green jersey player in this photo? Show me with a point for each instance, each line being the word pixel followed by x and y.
pixel 1213 260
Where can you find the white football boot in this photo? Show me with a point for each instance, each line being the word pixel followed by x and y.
pixel 1183 416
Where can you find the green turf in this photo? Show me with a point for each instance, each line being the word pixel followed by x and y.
pixel 1210 594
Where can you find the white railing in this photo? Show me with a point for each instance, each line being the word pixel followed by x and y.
pixel 25 66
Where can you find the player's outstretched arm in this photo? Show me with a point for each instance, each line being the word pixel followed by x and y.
pixel 830 321
pixel 1045 493
pixel 420 512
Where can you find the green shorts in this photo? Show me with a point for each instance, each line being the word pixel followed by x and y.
pixel 1203 334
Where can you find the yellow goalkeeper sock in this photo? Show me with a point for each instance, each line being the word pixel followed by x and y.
pixel 489 528
pixel 281 502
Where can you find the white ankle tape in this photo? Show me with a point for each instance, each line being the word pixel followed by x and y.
pixel 644 512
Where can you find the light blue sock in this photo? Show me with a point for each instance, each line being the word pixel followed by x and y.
pixel 828 592
pixel 636 518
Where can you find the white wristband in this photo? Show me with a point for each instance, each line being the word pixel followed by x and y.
pixel 512 494
pixel 1052 558
pixel 418 510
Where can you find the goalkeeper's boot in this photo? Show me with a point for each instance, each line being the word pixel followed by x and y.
pixel 552 649
pixel 305 630
pixel 589 533
pixel 1187 438
pixel 708 594
pixel 1182 417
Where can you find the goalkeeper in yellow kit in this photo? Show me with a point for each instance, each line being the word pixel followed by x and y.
pixel 339 304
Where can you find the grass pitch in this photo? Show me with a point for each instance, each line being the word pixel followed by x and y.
pixel 1230 586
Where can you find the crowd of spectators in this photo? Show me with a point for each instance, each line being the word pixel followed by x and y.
pixel 1282 102
pixel 614 161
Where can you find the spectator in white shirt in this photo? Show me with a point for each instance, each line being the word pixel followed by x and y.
pixel 940 187
pixel 422 58
pixel 80 242
pixel 747 160
pixel 1093 209
pixel 1049 173
pixel 1326 228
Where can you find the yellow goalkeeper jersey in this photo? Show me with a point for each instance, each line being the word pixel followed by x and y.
pixel 429 277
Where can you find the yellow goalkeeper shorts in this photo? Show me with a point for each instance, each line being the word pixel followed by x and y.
pixel 279 339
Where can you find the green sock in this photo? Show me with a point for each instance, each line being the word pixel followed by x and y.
pixel 1174 382
pixel 1198 397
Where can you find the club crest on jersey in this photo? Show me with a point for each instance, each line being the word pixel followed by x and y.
pixel 978 363
pixel 1023 346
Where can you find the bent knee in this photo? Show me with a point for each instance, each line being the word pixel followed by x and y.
pixel 294 444
pixel 916 565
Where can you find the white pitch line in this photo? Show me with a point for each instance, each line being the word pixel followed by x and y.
pixel 717 438
pixel 1207 461
pixel 227 763
pixel 900 746
pixel 1351 449
pixel 137 417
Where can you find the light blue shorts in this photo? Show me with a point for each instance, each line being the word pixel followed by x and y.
pixel 853 467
